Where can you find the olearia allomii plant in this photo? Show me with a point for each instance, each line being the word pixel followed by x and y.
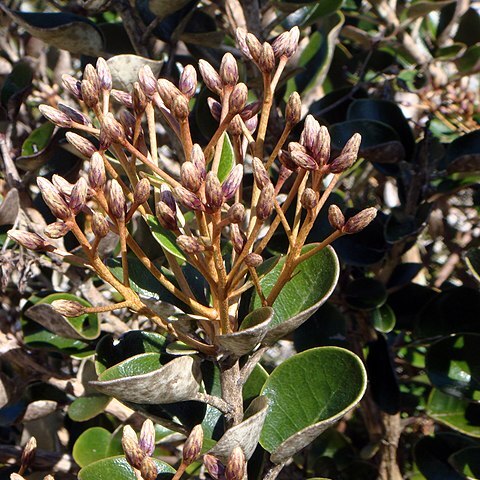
pixel 209 220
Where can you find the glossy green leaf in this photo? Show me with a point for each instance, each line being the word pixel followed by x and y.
pixel 463 154
pixel 308 393
pixel 316 278
pixel 457 413
pixel 16 86
pixel 423 7
pixel 470 60
pixel 453 365
pixel 467 462
pixel 91 446
pixel 309 13
pixel 88 407
pixel 365 294
pixel 118 468
pixel 383 318
pixel 254 384
pixel 451 52
pixel 227 159
pixel 164 237
pixel 472 259
pixel 38 139
pixel 325 7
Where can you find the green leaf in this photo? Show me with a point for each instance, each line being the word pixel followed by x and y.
pixel 383 318
pixel 164 237
pixel 308 393
pixel 227 159
pixel 423 7
pixel 163 8
pixel 316 278
pixel 16 86
pixel 457 413
pixel 473 262
pixel 463 154
pixel 467 462
pixel 453 366
pixel 365 293
pixel 38 139
pixel 118 468
pixel 451 52
pixel 88 407
pixel 470 60
pixel 91 446
pixel 309 13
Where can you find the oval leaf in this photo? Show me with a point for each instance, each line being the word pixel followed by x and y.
pixel 91 446
pixel 308 393
pixel 227 159
pixel 383 319
pixel 124 69
pixel 86 408
pixel 164 237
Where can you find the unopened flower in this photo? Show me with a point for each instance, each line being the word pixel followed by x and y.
pixel 180 109
pixel 147 81
pixel 100 227
pixel 321 148
pixel 238 98
pixel 166 216
pixel 253 260
pixel 336 217
pixel 147 437
pixel 122 97
pixel 72 85
pixel 90 74
pixel 309 199
pixel 189 244
pixel 78 196
pixel 139 99
pixel 96 175
pixel 190 177
pixel 241 36
pixel 214 467
pixel 260 174
pixel 347 156
pixel 104 75
pixel 55 116
pixel 112 128
pixel 309 136
pixel 193 445
pixel 210 77
pixel 198 159
pixel 142 191
pixel 231 184
pixel 56 229
pixel 286 161
pixel 215 108
pixel 116 200
pixel 29 240
pixel 237 237
pixel 74 114
pixel 250 110
pixel 148 469
pixel 28 453
pixel 68 308
pixel 213 191
pixel 90 93
pixel 229 70
pixel 53 199
pixel 301 158
pixel 293 111
pixel 236 465
pixel 254 47
pixel 63 186
pixel 188 198
pixel 188 81
pixel 133 453
pixel 266 61
pixel 84 146
pixel 236 213
pixel 359 221
pixel 265 202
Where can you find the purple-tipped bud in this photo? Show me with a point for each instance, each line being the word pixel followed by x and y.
pixel 100 227
pixel 198 159
pixel 96 175
pixel 210 77
pixel 215 108
pixel 251 110
pixel 253 260
pixel 347 156
pixel 116 200
pixel 128 122
pixel 84 146
pixel 139 99
pixel 74 114
pixel 168 92
pixel 147 80
pixel 359 221
pixel 188 81
pixel 265 202
pixel 229 70
pixel 309 199
pixel 180 109
pixel 301 158
pixel 241 36
pixel 321 148
pixel 133 452
pixel 188 198
pixel 56 230
pixel 254 47
pixel 252 124
pixel 311 130
pixel 190 177
pixel 214 467
pixel 55 116
pixel 237 237
pixel 53 199
pixel 72 85
pixel 235 128
pixel 193 445
pixel 336 217
pixel 266 61
pixel 286 161
pixel 293 42
pixel 236 465
pixel 213 192
pixel 147 437
pixel 104 75
pixel 90 74
pixel 166 216
pixel 68 308
pixel 231 184
pixel 28 453
pixel 166 196
pixel 148 469
pixel 29 240
pixel 78 198
pixel 63 186
pixel 238 98
pixel 280 44
pixel 90 93
pixel 122 97
pixel 189 244
pixel 141 194
pixel 236 213
pixel 112 129
pixel 260 174
pixel 293 111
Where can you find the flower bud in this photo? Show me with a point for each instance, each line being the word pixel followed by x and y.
pixel 251 110
pixel 147 437
pixel 188 198
pixel 56 230
pixel 198 159
pixel 96 175
pixel 166 196
pixel 231 184
pixel 321 149
pixel 311 130
pixel 55 116
pixel 265 202
pixel 336 217
pixel 229 70
pixel 215 108
pixel 122 97
pixel 168 92
pixel 72 85
pixel 139 99
pixel 166 216
pixel 292 45
pixel 190 177
pixel 236 213
pixel 116 200
pixel 133 452
pixel 260 174
pixel 235 128
pixel 189 244
pixel 28 453
pixel 293 111
pixel 141 194
pixel 237 238
pixel 78 198
pixel 68 308
pixel 280 44
pixel 48 477
pixel 252 124
pixel 84 146
pixel 286 161
pixel 147 81
pixel 29 240
pixel 193 445
pixel 309 199
pixel 188 81
pixel 241 36
pixel 266 61
pixel 104 75
pixel 359 221
pixel 210 77
pixel 253 260
pixel 214 467
pixel 254 47
pixel 148 469
pixel 53 199
pixel 238 98
pixel 90 74
pixel 180 109
pixel 74 114
pixel 236 465
pixel 347 156
pixel 112 129
pixel 63 186
pixel 300 157
pixel 90 93
pixel 213 191
pixel 100 227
